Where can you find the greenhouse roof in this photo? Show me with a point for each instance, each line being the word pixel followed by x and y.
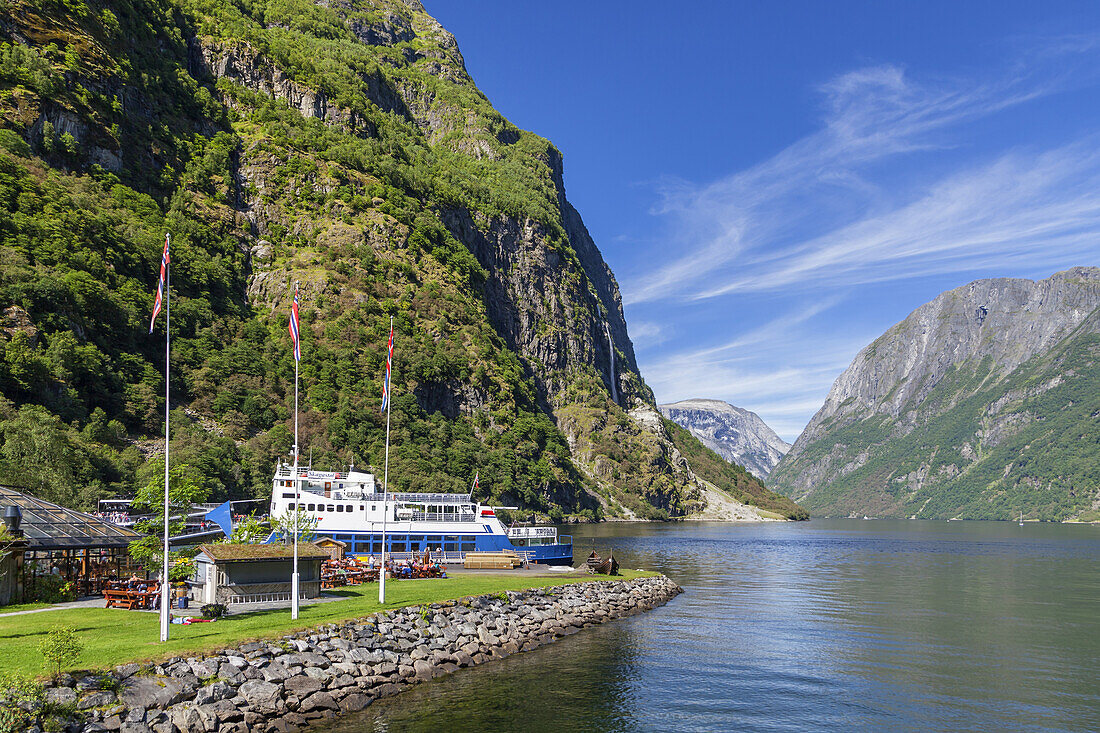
pixel 49 526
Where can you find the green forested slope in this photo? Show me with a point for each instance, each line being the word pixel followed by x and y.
pixel 344 147
pixel 982 444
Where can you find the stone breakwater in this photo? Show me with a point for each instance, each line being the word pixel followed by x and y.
pixel 314 675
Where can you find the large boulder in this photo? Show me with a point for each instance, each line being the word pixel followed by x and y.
pixel 262 697
pixel 152 692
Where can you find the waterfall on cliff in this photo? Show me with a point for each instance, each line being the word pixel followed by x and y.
pixel 611 354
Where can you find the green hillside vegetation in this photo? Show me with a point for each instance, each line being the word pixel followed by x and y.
pixel 1047 467
pixel 113 131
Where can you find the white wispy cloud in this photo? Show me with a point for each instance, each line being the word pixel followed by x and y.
pixel 895 184
pixel 815 206
pixel 1030 208
pixel 649 333
pixel 782 378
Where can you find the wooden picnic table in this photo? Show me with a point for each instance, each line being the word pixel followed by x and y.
pixel 130 598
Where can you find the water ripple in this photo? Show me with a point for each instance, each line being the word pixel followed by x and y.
pixel 834 626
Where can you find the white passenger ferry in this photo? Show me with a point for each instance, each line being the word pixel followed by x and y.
pixel 349 507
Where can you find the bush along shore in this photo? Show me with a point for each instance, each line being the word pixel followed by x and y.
pixel 314 675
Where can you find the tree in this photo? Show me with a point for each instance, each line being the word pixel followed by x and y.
pixel 283 526
pixel 43 454
pixel 183 491
pixel 61 648
pixel 249 531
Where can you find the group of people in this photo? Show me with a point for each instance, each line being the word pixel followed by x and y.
pixel 411 569
pixel 136 583
pixel 120 518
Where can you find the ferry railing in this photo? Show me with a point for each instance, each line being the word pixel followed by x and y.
pixel 438 517
pixel 443 557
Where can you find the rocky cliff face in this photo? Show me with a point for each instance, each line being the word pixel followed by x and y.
pixel 981 403
pixel 342 146
pixel 736 434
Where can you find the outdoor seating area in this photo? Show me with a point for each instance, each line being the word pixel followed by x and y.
pixel 132 594
pixel 337 573
pixel 63 553
pixel 410 569
pixel 355 570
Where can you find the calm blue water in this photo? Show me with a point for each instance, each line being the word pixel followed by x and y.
pixel 827 625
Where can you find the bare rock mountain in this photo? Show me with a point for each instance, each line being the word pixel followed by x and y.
pixel 981 404
pixel 736 434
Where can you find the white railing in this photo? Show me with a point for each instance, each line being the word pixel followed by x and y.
pixel 441 517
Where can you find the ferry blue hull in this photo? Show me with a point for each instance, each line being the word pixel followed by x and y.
pixel 361 543
pixel 550 554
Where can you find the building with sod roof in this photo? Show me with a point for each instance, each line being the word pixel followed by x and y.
pixel 231 574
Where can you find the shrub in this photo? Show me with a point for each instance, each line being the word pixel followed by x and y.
pixel 213 610
pixel 51 589
pixel 61 648
pixel 19 697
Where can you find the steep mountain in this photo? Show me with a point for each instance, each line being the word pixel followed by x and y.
pixel 981 404
pixel 340 145
pixel 736 434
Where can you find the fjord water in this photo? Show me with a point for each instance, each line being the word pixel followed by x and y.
pixel 825 625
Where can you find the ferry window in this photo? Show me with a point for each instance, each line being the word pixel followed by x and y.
pixel 340 507
pixel 301 507
pixel 450 545
pixel 288 496
pixel 468 546
pixel 331 508
pixel 397 546
pixel 376 546
pixel 362 507
pixel 311 507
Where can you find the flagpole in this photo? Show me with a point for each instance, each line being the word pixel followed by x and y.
pixel 165 598
pixel 297 484
pixel 386 469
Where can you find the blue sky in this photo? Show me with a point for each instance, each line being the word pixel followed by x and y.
pixel 775 184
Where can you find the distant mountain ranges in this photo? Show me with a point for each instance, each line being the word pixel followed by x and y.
pixel 736 434
pixel 982 404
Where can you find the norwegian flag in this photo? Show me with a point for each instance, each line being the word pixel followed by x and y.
pixel 477 485
pixel 160 285
pixel 389 367
pixel 294 326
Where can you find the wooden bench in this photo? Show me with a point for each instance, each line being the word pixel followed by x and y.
pixel 120 599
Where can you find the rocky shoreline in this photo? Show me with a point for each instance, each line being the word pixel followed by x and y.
pixel 315 675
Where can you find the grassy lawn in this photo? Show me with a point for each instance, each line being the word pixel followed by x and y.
pixel 23 607
pixel 114 636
